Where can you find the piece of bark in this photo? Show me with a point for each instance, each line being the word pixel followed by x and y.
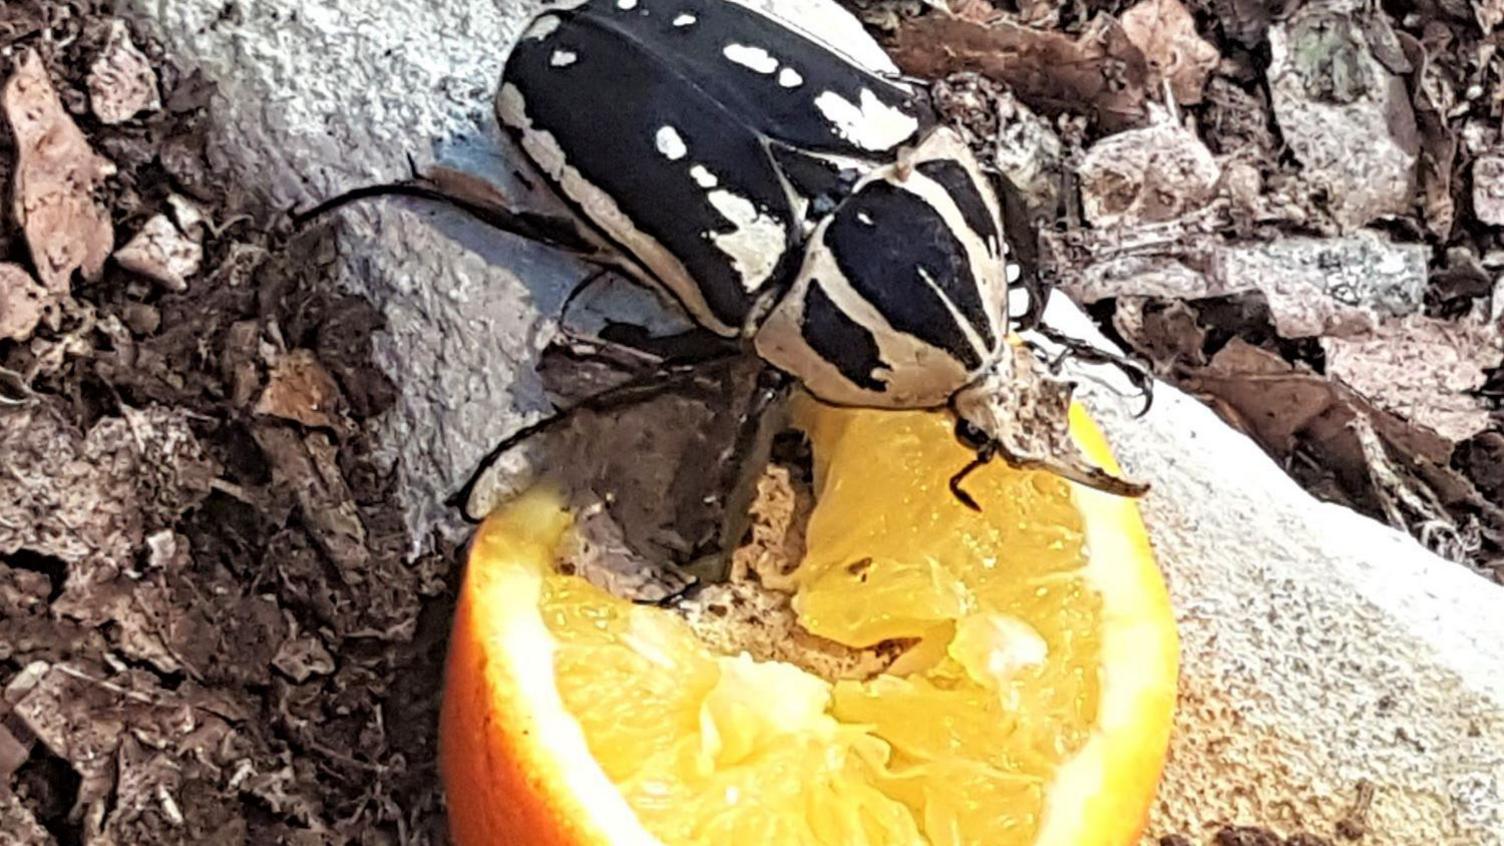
pixel 57 174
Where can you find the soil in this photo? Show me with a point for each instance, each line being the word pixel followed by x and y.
pixel 210 629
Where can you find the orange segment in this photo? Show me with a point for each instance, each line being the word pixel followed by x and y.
pixel 1034 708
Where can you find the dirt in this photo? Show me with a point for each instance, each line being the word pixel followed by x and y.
pixel 210 631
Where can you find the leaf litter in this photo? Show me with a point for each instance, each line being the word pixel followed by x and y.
pixel 210 628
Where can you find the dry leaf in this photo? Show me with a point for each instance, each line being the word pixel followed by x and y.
pixel 1166 33
pixel 122 83
pixel 56 174
pixel 1102 71
pixel 161 253
pixel 1421 369
pixel 1273 398
pixel 308 465
pixel 300 389
pixel 21 302
pixel 1170 334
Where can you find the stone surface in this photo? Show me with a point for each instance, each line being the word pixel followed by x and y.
pixel 1147 175
pixel 1314 286
pixel 1342 106
pixel 1322 650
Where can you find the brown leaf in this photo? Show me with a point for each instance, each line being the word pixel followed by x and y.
pixel 56 175
pixel 1166 33
pixel 1102 71
pixel 22 301
pixel 1274 398
pixel 300 389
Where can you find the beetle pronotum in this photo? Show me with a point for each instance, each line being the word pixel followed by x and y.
pixel 785 196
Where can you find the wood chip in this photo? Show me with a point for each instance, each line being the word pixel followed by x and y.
pixel 1166 33
pixel 56 176
pixel 300 389
pixel 162 254
pixel 122 83
pixel 22 301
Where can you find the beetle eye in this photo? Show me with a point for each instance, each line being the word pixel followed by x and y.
pixel 968 434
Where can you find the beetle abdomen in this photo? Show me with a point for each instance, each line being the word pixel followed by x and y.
pixel 659 121
pixel 900 301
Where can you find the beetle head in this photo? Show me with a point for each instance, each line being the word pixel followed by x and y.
pixel 1016 412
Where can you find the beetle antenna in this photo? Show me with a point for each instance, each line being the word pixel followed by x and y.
pixel 534 227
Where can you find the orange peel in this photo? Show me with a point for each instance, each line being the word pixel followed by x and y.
pixel 1034 708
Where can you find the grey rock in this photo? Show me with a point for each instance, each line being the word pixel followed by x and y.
pixel 1342 106
pixel 1488 188
pixel 1327 286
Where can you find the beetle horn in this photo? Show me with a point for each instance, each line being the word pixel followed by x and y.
pixel 1025 415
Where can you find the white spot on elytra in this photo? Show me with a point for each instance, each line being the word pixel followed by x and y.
pixel 790 78
pixel 864 218
pixel 563 58
pixel 544 150
pixel 670 144
pixel 754 58
pixel 542 28
pixel 755 242
pixel 703 177
pixel 685 19
pixel 1012 272
pixel 873 125
pixel 626 5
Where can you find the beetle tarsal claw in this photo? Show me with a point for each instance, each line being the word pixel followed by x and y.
pixel 1026 413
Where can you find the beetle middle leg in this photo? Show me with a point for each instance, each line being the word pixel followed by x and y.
pixel 641 388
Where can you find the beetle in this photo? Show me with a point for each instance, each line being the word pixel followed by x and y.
pixel 788 198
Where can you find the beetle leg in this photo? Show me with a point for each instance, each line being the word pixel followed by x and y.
pixel 1133 370
pixel 984 457
pixel 638 389
pixel 1075 468
pixel 552 231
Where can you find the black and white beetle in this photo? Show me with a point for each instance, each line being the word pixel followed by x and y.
pixel 782 194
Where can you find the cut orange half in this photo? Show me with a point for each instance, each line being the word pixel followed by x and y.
pixel 1031 702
